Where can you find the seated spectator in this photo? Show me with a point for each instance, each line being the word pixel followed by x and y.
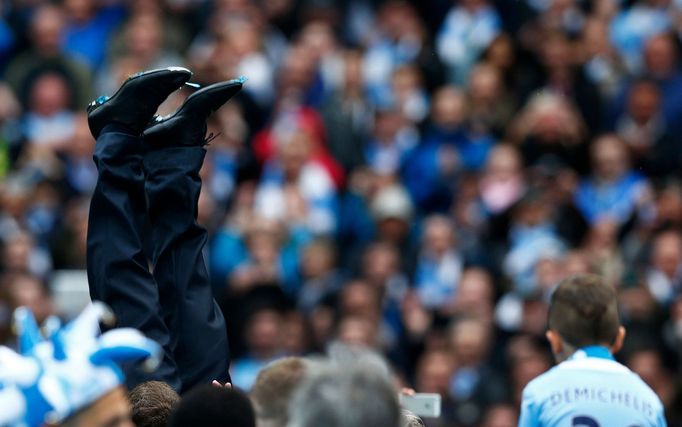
pixel 48 120
pixel 440 264
pixel 46 31
pixel 274 389
pixel 263 339
pixel 474 385
pixel 503 182
pixel 549 126
pixel 489 102
pixel 295 188
pixel 653 141
pixel 152 404
pixel 664 272
pixel 446 149
pixel 212 406
pixel 344 396
pixel 467 30
pixel 320 276
pixel 613 191
pixel 391 143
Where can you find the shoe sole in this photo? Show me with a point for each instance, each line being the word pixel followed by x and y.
pixel 97 119
pixel 232 87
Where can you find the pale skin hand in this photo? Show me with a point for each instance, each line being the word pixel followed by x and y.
pixel 216 383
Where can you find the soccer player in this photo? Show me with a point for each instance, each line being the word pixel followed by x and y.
pixel 588 388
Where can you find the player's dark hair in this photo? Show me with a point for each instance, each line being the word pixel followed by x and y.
pixel 584 311
pixel 211 406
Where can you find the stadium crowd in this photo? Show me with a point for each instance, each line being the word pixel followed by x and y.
pixel 409 176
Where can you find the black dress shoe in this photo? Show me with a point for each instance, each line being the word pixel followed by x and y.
pixel 134 104
pixel 187 126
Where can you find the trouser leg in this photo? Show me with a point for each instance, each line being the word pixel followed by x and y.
pixel 196 323
pixel 118 270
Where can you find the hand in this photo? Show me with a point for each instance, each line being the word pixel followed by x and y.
pixel 216 383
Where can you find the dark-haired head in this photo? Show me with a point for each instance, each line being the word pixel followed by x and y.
pixel 584 312
pixel 210 406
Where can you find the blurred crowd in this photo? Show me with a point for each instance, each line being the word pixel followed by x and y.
pixel 409 176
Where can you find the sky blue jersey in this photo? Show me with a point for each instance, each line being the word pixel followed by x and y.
pixel 590 389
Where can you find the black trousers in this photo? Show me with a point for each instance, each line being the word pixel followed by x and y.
pixel 171 302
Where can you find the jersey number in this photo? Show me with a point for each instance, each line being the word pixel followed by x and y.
pixel 583 421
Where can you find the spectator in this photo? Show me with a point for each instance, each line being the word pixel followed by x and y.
pixel 352 396
pixel 614 191
pixel 213 406
pixel 46 30
pixel 274 389
pixel 152 404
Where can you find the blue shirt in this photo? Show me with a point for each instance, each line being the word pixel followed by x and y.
pixel 590 389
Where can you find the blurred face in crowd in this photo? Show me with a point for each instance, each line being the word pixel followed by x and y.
pixel 660 56
pixel 352 71
pixel 434 370
pixel 144 36
pixel 609 158
pixel 556 52
pixel 475 293
pixel 294 152
pixel 111 410
pixel 16 253
pixel 379 264
pixel 504 164
pixel 263 333
pixel 46 30
pixel 500 52
pixel 470 341
pixel 263 241
pixel 449 108
pixel 358 330
pixel 596 37
pixel 79 10
pixel 318 259
pixel 644 102
pixel 49 95
pixel 25 290
pixel 439 236
pixel 667 253
pixel 485 84
pixel 360 299
pixel 318 38
pixel 500 416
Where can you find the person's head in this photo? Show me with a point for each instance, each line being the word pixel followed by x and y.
pixel 344 396
pixel 110 410
pixel 449 107
pixel 392 210
pixel 666 254
pixel 409 419
pixel 470 339
pixel 211 406
pixel 49 94
pixel 439 235
pixel 379 263
pixel 263 331
pixel 660 56
pixel 274 388
pixel 583 312
pixel 485 84
pixel 318 259
pixel 644 101
pixel 610 159
pixel 434 370
pixel 47 25
pixel 152 403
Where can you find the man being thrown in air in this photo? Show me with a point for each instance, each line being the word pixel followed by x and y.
pixel 149 173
